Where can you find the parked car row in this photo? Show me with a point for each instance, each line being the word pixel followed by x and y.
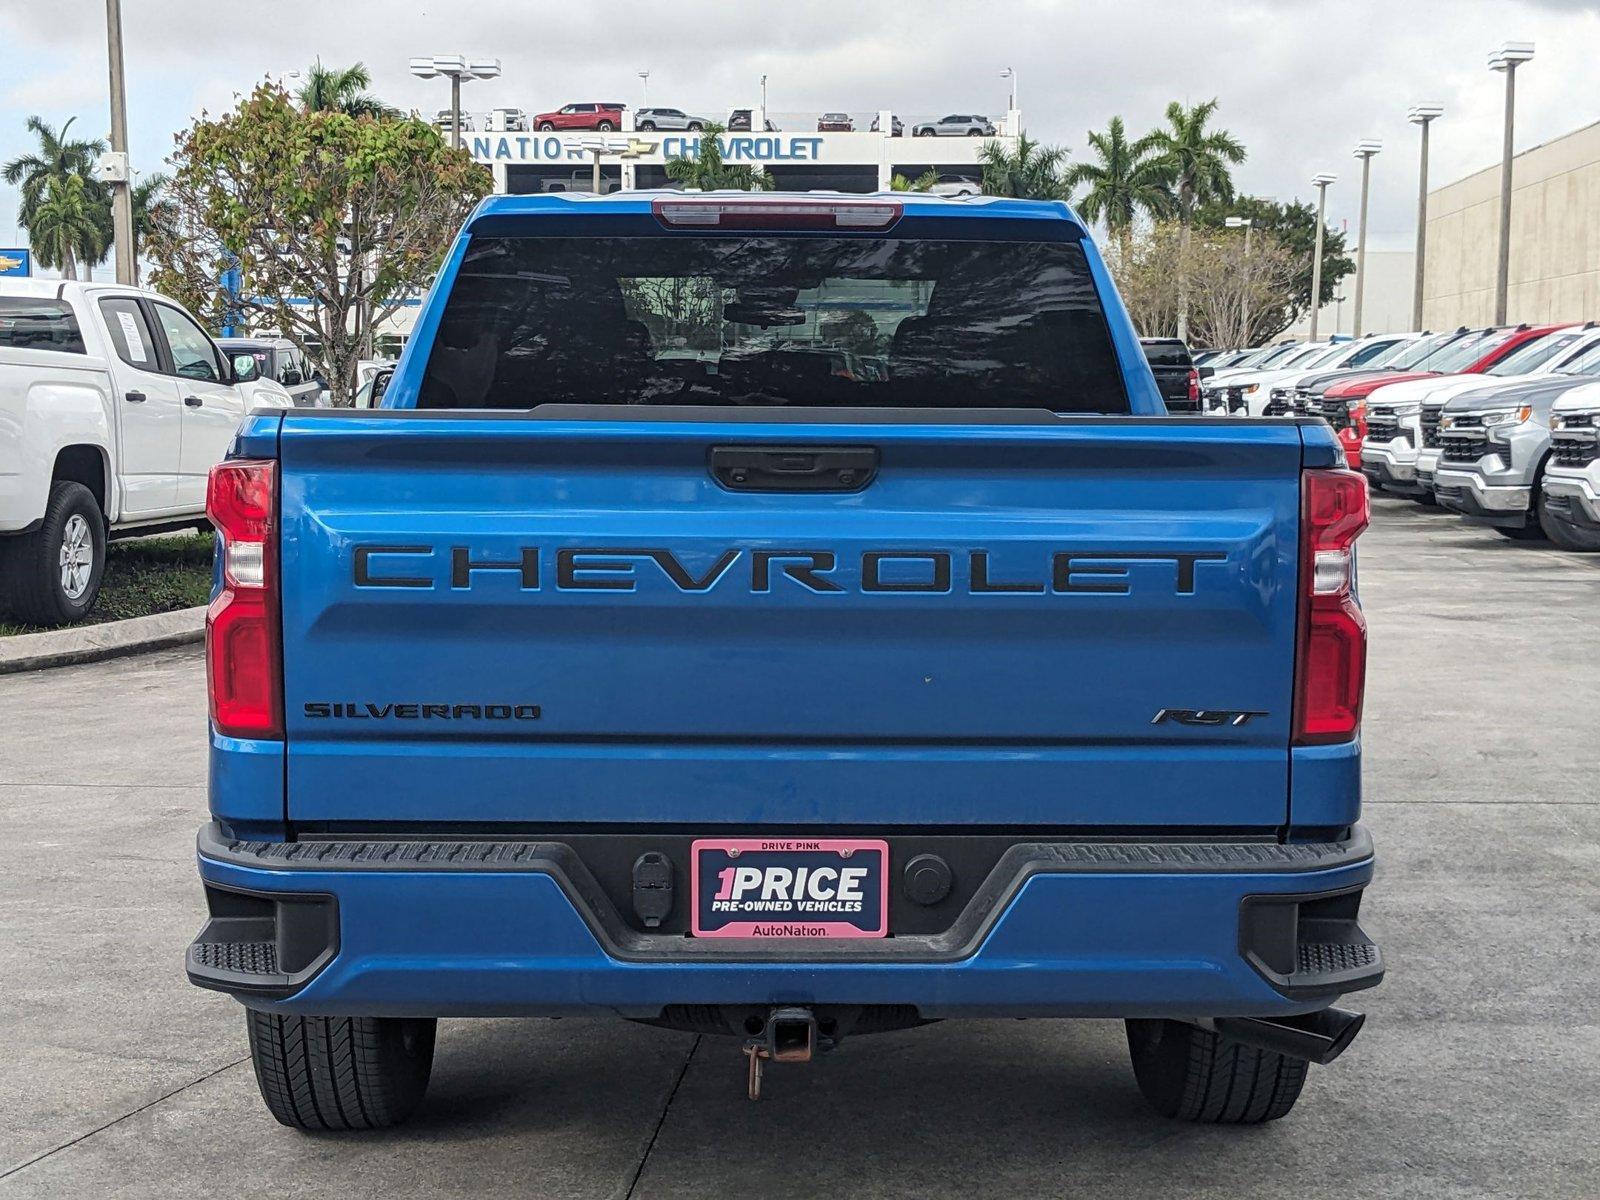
pixel 606 116
pixel 1498 424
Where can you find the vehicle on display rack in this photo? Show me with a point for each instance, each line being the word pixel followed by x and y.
pixel 506 120
pixel 1494 450
pixel 1176 376
pixel 1403 417
pixel 964 125
pixel 1270 393
pixel 281 361
pixel 445 118
pixel 1571 493
pixel 114 406
pixel 564 732
pixel 896 125
pixel 835 122
pixel 649 119
pixel 604 117
pixel 1343 403
pixel 739 122
pixel 956 185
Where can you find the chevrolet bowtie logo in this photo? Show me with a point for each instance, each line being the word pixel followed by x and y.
pixel 7 263
pixel 618 147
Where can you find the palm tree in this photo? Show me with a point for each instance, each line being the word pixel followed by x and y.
pixel 1128 180
pixel 707 171
pixel 65 223
pixel 920 184
pixel 1197 160
pixel 58 159
pixel 1030 172
pixel 327 89
pixel 147 210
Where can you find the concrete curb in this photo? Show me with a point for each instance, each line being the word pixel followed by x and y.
pixel 91 643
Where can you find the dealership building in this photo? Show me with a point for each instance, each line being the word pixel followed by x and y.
pixel 1555 238
pixel 793 152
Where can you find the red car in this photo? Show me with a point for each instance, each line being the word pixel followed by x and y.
pixel 1344 405
pixel 581 116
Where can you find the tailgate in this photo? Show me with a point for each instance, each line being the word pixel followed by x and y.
pixel 544 620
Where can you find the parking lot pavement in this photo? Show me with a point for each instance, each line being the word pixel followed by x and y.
pixel 1475 1076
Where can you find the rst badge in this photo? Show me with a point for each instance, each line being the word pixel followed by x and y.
pixel 787 888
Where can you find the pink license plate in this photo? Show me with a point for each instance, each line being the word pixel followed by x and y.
pixel 786 888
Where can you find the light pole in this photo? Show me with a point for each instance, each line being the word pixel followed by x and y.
pixel 1011 99
pixel 121 179
pixel 1364 151
pixel 456 67
pixel 1248 225
pixel 1422 115
pixel 1320 182
pixel 644 77
pixel 1507 58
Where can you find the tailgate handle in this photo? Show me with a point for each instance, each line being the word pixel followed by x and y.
pixel 794 468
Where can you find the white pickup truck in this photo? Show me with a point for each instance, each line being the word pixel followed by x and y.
pixel 114 406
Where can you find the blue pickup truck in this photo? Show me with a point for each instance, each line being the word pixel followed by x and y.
pixel 787 617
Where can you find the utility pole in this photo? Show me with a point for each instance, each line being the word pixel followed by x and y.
pixel 1507 58
pixel 1321 183
pixel 1248 224
pixel 1364 151
pixel 1423 115
pixel 121 190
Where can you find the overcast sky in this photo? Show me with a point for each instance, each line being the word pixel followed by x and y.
pixel 1299 82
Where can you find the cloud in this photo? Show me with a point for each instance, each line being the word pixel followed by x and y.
pixel 1298 85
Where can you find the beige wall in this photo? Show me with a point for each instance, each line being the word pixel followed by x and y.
pixel 1555 238
pixel 1385 301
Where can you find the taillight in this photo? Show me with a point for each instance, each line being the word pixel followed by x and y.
pixel 1194 387
pixel 1331 662
pixel 243 663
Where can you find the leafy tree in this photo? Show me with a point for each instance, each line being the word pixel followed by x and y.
pixel 921 183
pixel 708 172
pixel 1292 226
pixel 58 159
pixel 330 89
pixel 352 214
pixel 65 222
pixel 1030 172
pixel 1197 158
pixel 1127 181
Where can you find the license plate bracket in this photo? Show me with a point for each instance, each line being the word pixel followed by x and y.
pixel 790 889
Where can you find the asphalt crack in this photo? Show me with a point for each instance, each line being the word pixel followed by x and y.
pixel 644 1159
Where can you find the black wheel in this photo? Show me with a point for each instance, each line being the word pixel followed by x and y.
pixel 647 126
pixel 922 133
pixel 546 127
pixel 695 126
pixel 52 576
pixel 338 1073
pixel 974 133
pixel 605 126
pixel 1531 532
pixel 1194 1074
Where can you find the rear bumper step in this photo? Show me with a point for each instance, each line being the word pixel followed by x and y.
pixel 523 927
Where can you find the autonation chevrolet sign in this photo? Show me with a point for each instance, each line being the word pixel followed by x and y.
pixel 582 147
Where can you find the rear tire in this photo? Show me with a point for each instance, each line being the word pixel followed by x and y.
pixel 605 126
pixel 341 1073
pixel 52 576
pixel 1193 1074
pixel 695 126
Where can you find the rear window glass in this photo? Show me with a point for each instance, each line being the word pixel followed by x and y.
pixel 29 324
pixel 774 321
pixel 1166 354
